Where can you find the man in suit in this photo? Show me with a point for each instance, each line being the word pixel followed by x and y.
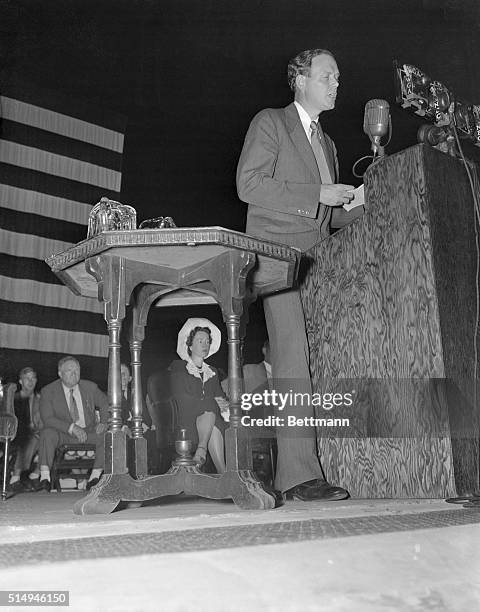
pixel 257 378
pixel 67 408
pixel 288 176
pixel 127 417
pixel 125 380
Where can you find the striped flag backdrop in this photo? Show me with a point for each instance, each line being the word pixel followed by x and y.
pixel 57 159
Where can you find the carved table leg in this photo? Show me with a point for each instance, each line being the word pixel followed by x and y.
pixel 114 488
pixel 144 296
pixel 115 438
pixel 239 482
pixel 110 273
pixel 138 444
pixel 242 486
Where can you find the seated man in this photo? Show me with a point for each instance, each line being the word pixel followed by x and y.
pixel 26 442
pixel 67 408
pixel 257 377
pixel 127 417
pixel 162 414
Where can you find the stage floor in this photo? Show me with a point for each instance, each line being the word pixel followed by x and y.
pixel 183 553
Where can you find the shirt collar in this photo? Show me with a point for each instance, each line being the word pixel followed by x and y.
pixel 304 118
pixel 67 390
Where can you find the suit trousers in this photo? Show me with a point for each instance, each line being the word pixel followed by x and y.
pixel 297 446
pixel 51 439
pixel 26 451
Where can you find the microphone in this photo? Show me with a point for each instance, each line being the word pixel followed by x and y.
pixel 376 123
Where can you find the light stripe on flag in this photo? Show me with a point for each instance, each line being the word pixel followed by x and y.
pixel 56 296
pixel 44 119
pixel 37 203
pixel 59 165
pixel 26 337
pixel 28 245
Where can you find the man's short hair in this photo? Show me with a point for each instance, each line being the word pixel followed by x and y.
pixel 64 360
pixel 25 371
pixel 301 64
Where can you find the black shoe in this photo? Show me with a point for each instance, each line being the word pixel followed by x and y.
pixel 314 490
pixel 92 483
pixel 44 485
pixel 35 484
pixel 16 487
pixel 279 501
pixel 28 485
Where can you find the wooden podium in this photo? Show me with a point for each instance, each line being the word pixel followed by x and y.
pixel 175 267
pixel 391 304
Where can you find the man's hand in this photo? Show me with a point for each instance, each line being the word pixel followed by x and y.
pixel 100 428
pixel 126 431
pixel 79 433
pixel 336 195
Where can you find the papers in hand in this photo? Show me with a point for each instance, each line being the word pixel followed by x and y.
pixel 358 199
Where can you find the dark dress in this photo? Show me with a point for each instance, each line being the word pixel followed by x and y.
pixel 193 398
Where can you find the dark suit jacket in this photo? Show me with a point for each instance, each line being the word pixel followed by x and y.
pixel 255 379
pixel 278 177
pixel 54 409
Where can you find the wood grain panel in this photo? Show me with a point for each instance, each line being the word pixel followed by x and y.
pixel 370 294
pixel 390 467
pixel 389 312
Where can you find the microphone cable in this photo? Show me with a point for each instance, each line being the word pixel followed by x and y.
pixel 474 186
pixel 471 501
pixel 375 158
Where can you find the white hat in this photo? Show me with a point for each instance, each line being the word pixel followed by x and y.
pixel 185 332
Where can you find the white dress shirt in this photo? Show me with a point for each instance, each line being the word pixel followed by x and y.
pixel 78 399
pixel 305 119
pixel 322 163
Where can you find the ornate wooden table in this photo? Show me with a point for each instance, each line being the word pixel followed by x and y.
pixel 173 266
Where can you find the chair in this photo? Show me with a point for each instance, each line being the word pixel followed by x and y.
pixel 263 439
pixel 72 461
pixel 8 428
pixel 163 412
pixel 264 454
pixel 164 416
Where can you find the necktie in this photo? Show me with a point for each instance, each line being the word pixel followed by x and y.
pixel 73 407
pixel 319 151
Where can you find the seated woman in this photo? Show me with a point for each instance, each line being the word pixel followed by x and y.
pixel 196 388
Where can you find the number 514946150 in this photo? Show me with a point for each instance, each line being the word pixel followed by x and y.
pixel 34 598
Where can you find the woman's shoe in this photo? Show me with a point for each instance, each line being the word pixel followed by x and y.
pixel 200 458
